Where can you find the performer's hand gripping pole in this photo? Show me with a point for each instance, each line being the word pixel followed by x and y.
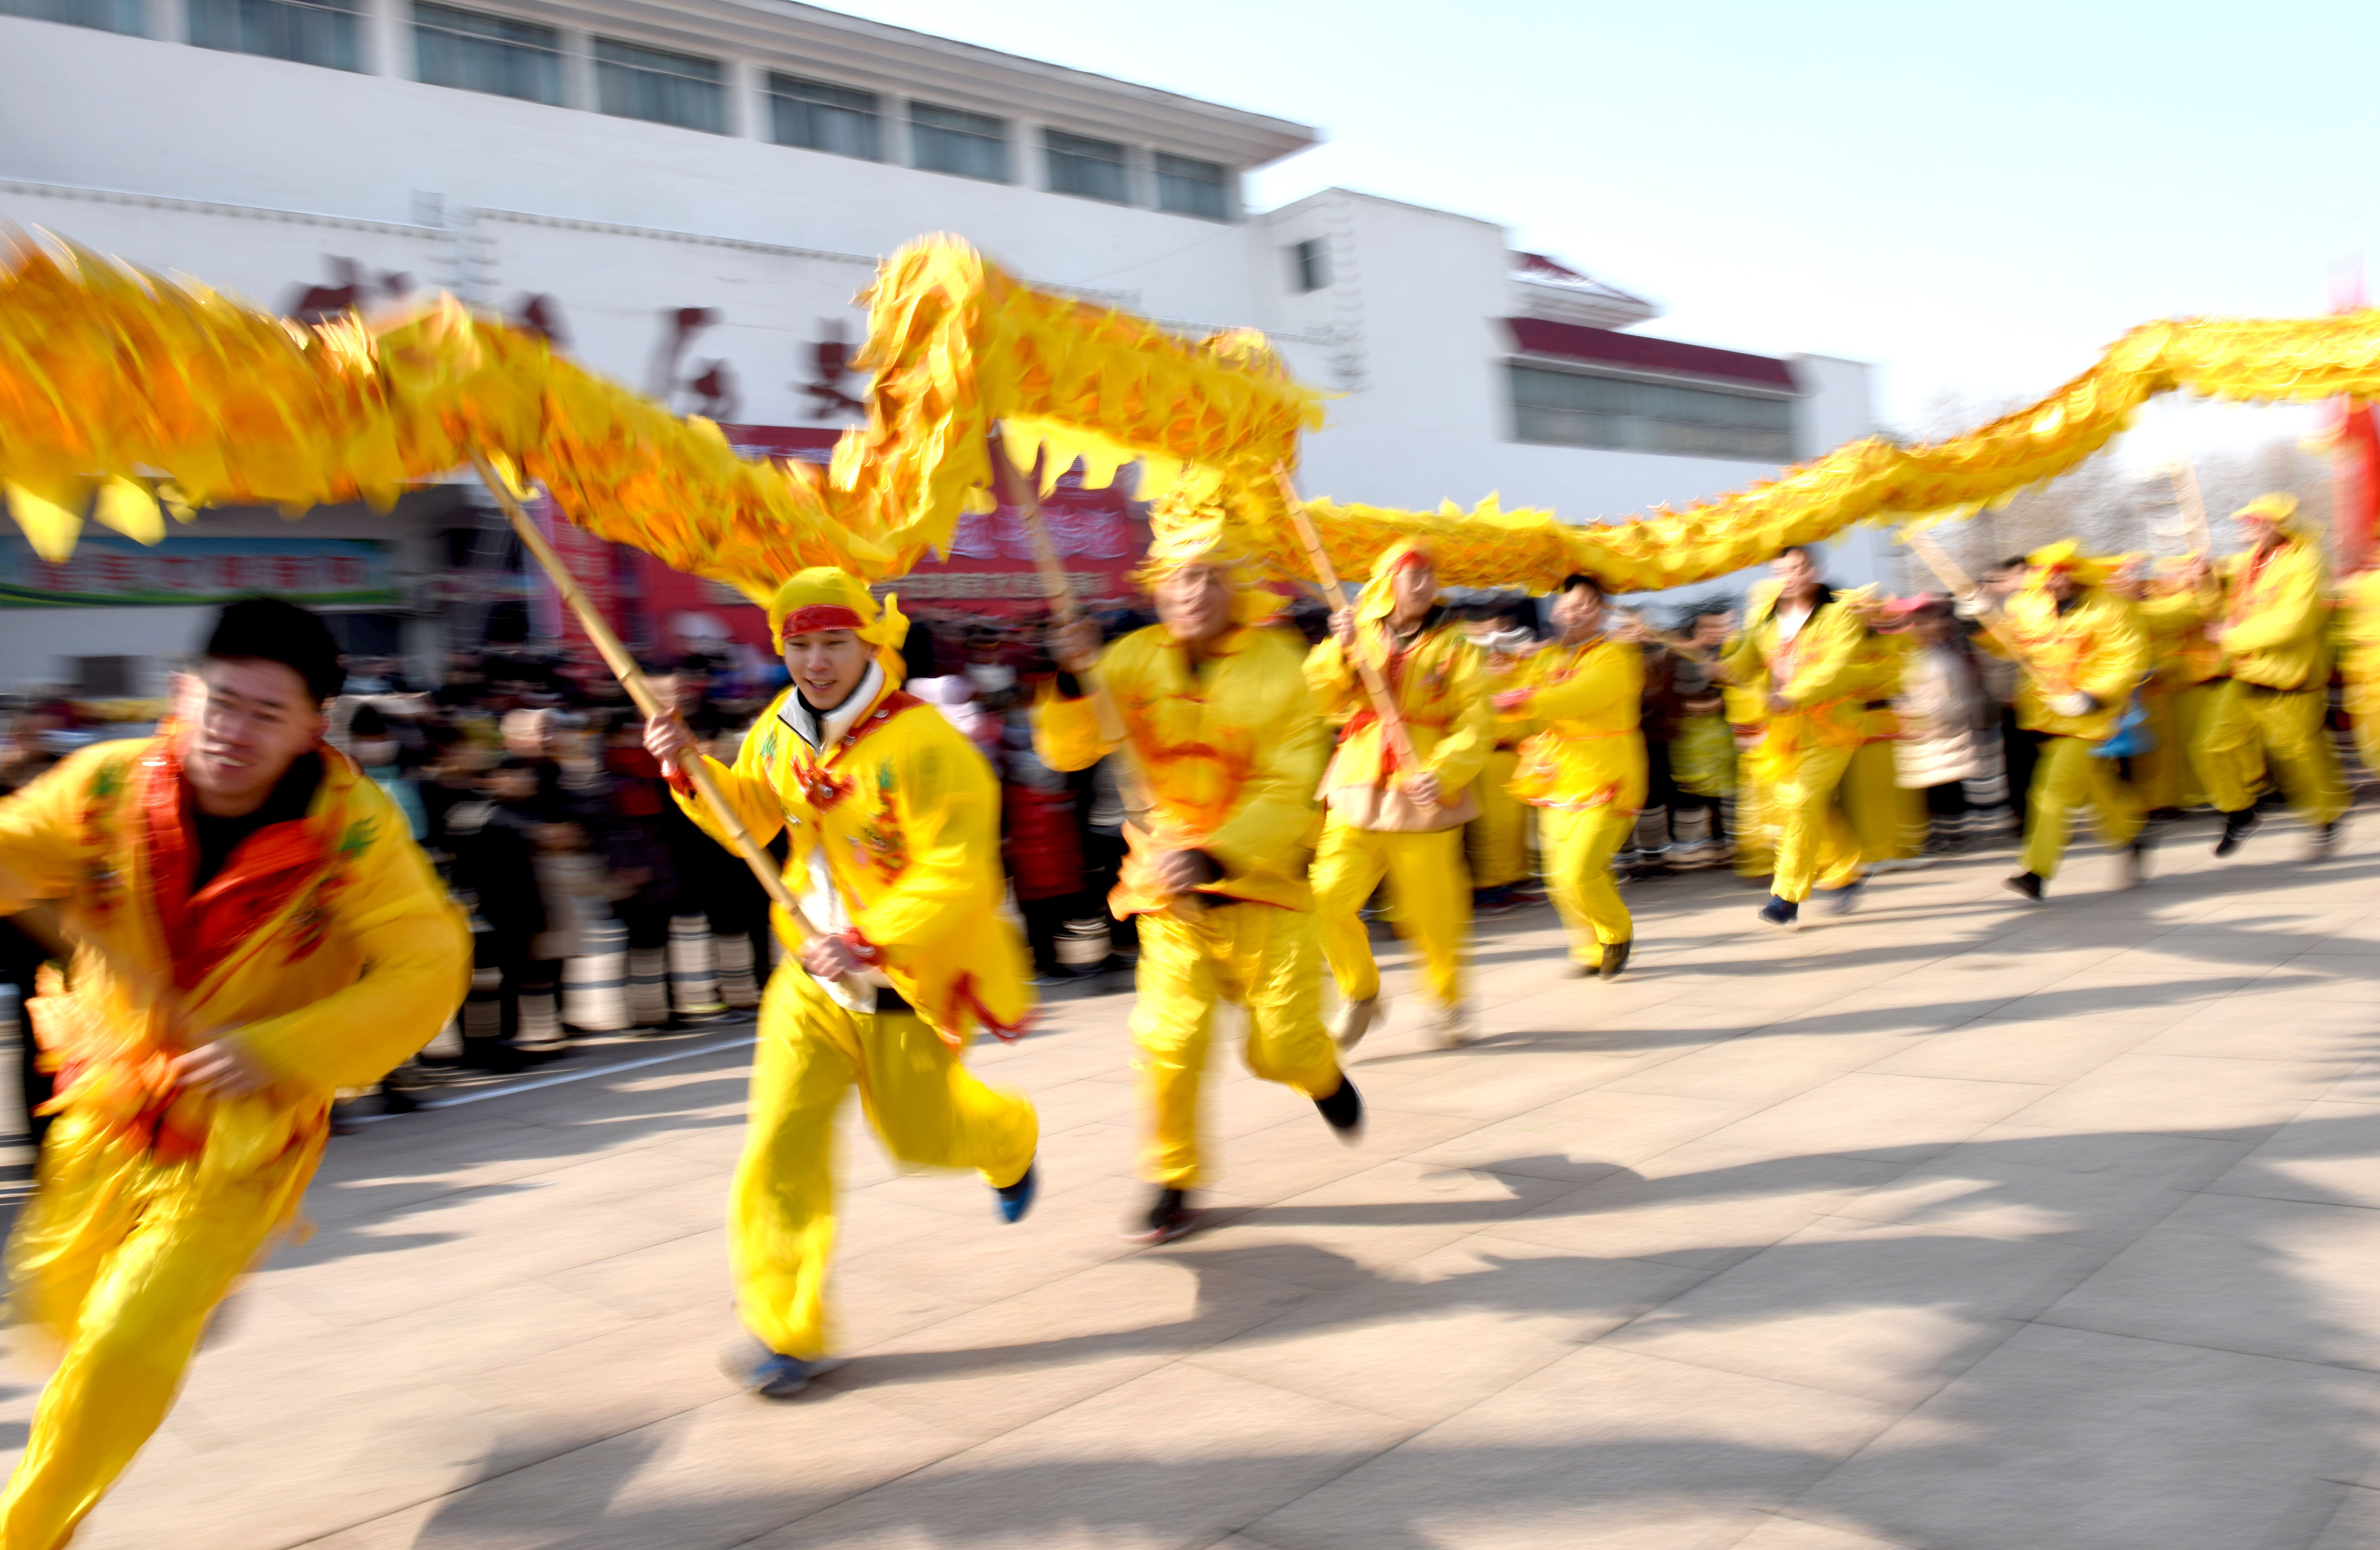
pixel 640 690
pixel 1384 704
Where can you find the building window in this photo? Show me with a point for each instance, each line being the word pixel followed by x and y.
pixel 818 116
pixel 108 16
pixel 307 32
pixel 1309 265
pixel 1091 168
pixel 477 52
pixel 1188 187
pixel 634 81
pixel 965 144
pixel 1581 409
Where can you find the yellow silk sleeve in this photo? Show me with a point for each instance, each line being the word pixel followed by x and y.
pixel 1066 731
pixel 950 819
pixel 1470 741
pixel 2119 659
pixel 417 953
pixel 750 787
pixel 42 850
pixel 1823 666
pixel 1617 678
pixel 1337 687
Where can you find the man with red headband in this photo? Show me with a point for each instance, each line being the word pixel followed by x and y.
pixel 1388 820
pixel 895 822
pixel 253 929
pixel 2268 711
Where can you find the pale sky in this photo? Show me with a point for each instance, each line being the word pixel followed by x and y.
pixel 1977 198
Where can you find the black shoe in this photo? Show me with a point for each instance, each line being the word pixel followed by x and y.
pixel 1615 958
pixel 1782 913
pixel 1344 1111
pixel 2025 883
pixel 1170 1217
pixel 2237 827
pixel 2326 840
pixel 1016 1199
pixel 2137 857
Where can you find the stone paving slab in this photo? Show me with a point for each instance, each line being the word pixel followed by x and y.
pixel 1951 1224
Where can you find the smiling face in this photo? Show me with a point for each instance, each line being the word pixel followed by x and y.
pixel 1578 613
pixel 827 665
pixel 249 721
pixel 1194 604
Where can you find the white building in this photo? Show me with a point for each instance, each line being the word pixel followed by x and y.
pixel 687 193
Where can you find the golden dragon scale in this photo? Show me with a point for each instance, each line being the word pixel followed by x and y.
pixel 119 388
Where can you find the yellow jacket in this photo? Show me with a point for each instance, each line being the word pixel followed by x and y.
pixel 2359 638
pixel 1510 670
pixel 2276 621
pixel 327 942
pixel 1878 662
pixel 1230 751
pixel 1818 672
pixel 907 813
pixel 1441 685
pixel 2096 646
pixel 1590 753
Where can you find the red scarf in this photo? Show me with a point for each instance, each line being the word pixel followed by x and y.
pixel 264 873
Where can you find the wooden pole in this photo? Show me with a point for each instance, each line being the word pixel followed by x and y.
pixel 1961 585
pixel 1384 704
pixel 1025 494
pixel 2193 501
pixel 640 690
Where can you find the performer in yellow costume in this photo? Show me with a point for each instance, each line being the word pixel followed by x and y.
pixel 1216 718
pixel 1405 825
pixel 1888 820
pixel 1495 843
pixel 1802 644
pixel 2083 653
pixel 2173 605
pixel 1585 770
pixel 894 818
pixel 256 929
pixel 2274 637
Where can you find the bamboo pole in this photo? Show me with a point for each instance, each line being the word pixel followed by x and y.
pixel 1384 704
pixel 640 690
pixel 2186 493
pixel 1025 494
pixel 1948 572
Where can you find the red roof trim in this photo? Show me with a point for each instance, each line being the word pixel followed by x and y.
pixel 1639 352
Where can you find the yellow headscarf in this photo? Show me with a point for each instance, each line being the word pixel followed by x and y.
pixel 2067 555
pixel 1187 527
pixel 823 598
pixel 2278 507
pixel 1379 598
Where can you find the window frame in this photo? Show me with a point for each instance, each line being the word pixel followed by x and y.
pixel 787 91
pixel 53 11
pixel 1309 265
pixel 922 133
pixel 510 50
pixel 1168 172
pixel 346 42
pixel 1632 419
pixel 1063 148
pixel 610 69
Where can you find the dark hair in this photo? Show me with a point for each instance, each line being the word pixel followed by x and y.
pixel 1580 578
pixel 1809 552
pixel 367 722
pixel 268 630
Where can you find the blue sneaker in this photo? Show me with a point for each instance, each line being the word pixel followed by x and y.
pixel 1782 913
pixel 772 1375
pixel 1016 1199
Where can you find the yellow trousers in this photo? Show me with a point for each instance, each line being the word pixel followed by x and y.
pixel 923 1102
pixel 2245 725
pixel 1192 958
pixel 122 1258
pixel 1887 819
pixel 1815 844
pixel 2165 777
pixel 2066 778
pixel 1427 883
pixel 1755 823
pixel 1580 844
pixel 1495 843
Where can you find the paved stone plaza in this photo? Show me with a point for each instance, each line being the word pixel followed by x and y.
pixel 1955 1225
